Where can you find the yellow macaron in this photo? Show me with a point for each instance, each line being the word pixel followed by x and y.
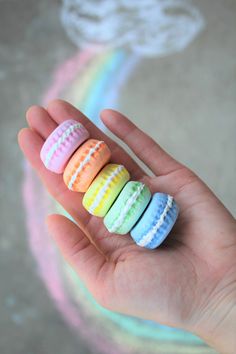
pixel 105 188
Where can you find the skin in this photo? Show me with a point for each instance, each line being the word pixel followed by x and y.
pixel 190 280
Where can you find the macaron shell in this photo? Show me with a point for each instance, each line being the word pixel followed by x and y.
pixel 85 164
pixel 127 208
pixel 105 188
pixel 61 144
pixel 156 222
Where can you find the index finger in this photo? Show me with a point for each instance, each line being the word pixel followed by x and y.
pixel 158 160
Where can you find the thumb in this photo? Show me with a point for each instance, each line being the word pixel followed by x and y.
pixel 88 262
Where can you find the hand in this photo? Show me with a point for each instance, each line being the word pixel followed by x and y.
pixel 190 280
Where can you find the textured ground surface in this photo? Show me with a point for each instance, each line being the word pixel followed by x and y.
pixel 190 99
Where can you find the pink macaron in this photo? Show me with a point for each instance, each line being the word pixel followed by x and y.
pixel 61 144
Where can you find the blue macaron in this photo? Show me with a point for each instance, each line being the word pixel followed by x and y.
pixel 156 222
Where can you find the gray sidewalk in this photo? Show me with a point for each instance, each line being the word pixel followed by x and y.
pixel 186 101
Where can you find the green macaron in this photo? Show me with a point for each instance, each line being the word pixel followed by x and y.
pixel 127 208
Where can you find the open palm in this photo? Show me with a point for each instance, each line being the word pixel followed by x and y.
pixel 175 284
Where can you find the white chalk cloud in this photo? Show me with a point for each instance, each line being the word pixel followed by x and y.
pixel 147 27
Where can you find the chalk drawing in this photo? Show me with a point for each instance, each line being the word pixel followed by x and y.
pixel 147 27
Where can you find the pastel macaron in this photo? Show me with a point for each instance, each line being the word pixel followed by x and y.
pixel 61 144
pixel 105 188
pixel 85 164
pixel 128 207
pixel 156 222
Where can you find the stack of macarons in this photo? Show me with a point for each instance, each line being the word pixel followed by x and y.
pixel 127 206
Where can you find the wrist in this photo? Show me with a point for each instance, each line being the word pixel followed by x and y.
pixel 217 326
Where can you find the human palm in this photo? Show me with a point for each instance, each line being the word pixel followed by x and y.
pixel 175 284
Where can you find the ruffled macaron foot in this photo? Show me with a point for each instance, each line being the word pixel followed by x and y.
pixel 156 222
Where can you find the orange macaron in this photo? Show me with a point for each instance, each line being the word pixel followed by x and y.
pixel 85 164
